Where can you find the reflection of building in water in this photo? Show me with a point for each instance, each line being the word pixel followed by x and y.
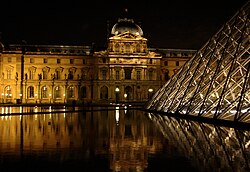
pixel 131 139
pixel 208 147
pixel 126 137
pixel 38 132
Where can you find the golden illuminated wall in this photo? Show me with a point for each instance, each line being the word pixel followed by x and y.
pixel 69 73
pixel 131 68
pixel 60 71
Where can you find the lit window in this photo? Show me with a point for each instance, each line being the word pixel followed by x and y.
pixel 138 75
pixel 71 92
pixel 8 74
pixel 57 92
pixel 31 92
pixel 32 74
pixel 44 92
pixel 117 75
pixel 8 92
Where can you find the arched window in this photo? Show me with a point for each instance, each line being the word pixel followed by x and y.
pixel 71 92
pixel 127 48
pixel 8 92
pixel 138 48
pixel 83 93
pixel 104 92
pixel 30 92
pixel 44 92
pixel 57 92
pixel 129 93
pixel 117 47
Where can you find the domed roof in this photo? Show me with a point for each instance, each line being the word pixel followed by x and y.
pixel 126 25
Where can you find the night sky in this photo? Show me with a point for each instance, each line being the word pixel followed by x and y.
pixel 166 24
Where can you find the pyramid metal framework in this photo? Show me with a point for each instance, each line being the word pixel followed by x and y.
pixel 215 82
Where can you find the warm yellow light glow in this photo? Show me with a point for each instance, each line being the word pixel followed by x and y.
pixel 117 89
pixel 117 115
pixel 150 90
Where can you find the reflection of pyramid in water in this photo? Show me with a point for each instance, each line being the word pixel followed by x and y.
pixel 215 82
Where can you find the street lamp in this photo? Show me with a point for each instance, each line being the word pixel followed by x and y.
pixel 117 94
pixel 125 96
pixel 150 90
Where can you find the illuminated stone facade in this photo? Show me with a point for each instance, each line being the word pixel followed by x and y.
pixel 127 70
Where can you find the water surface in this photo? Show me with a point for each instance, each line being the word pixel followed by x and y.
pixel 117 139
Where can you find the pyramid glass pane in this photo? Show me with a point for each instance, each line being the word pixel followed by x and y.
pixel 214 83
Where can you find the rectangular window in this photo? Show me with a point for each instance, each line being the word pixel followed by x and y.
pixel 71 61
pixel 150 75
pixel 45 74
pixel 8 74
pixel 104 74
pixel 128 72
pixel 9 59
pixel 138 75
pixel 58 61
pixel 45 60
pixel 117 75
pixel 32 74
pixel 177 63
pixel 58 75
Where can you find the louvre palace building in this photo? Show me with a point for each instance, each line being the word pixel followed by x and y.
pixel 127 70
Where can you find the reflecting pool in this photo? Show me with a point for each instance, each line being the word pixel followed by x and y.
pixel 116 139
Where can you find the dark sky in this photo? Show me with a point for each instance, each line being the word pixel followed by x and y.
pixel 166 24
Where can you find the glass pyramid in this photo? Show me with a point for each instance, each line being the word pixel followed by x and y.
pixel 215 82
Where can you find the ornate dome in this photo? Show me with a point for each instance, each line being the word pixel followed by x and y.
pixel 125 25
